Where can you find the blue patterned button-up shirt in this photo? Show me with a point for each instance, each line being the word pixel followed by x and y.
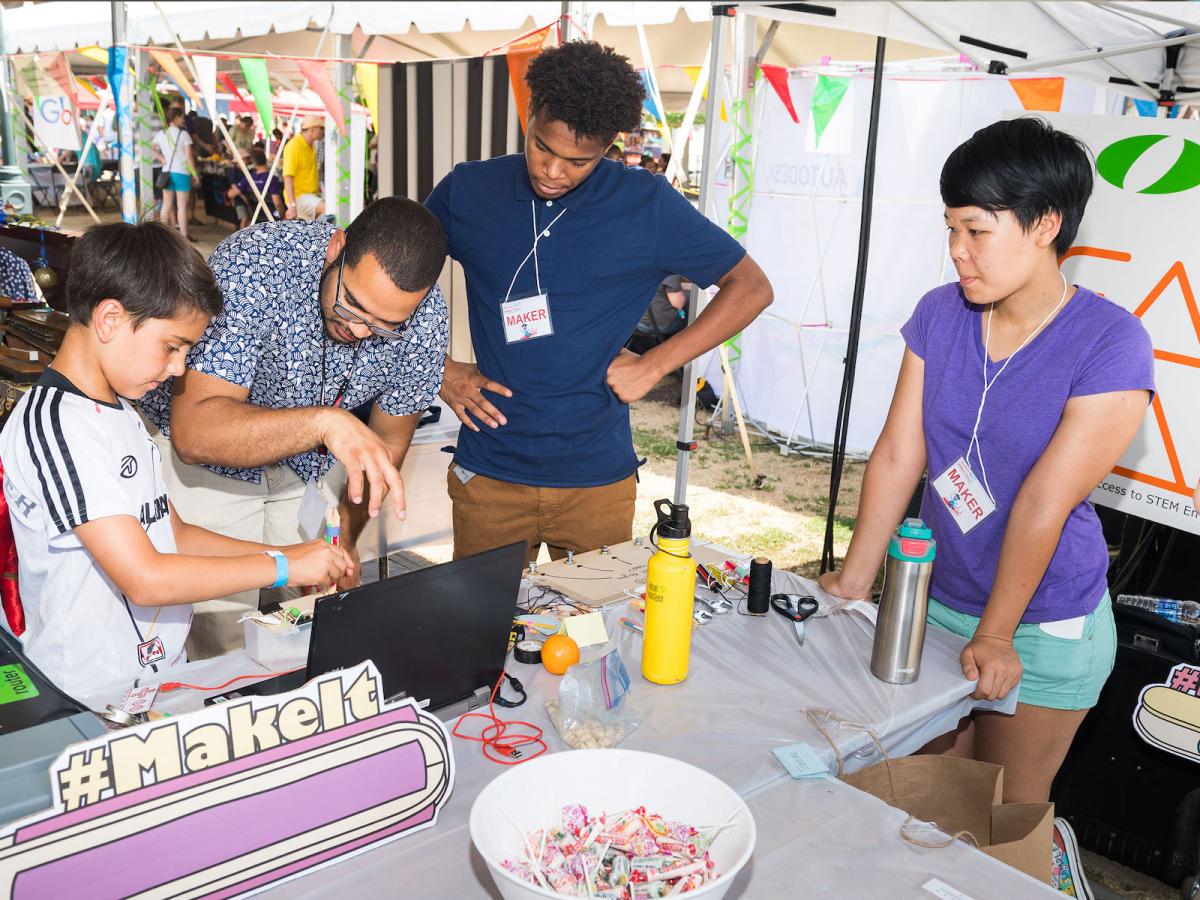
pixel 270 335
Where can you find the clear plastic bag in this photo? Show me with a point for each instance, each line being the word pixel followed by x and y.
pixel 593 707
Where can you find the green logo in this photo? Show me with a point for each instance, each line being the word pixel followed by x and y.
pixel 15 684
pixel 1115 161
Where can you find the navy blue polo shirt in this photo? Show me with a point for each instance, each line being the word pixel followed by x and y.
pixel 621 232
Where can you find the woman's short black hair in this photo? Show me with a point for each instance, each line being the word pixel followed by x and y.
pixel 404 237
pixel 591 89
pixel 1025 166
pixel 148 267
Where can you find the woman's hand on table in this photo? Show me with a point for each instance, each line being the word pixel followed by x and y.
pixel 353 578
pixel 994 663
pixel 838 585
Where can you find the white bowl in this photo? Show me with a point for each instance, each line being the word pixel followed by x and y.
pixel 533 794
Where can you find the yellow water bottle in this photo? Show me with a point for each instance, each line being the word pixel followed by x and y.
pixel 670 592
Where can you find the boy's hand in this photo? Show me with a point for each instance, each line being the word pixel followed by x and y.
pixel 316 562
pixel 462 389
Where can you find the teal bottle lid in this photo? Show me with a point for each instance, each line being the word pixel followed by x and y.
pixel 913 542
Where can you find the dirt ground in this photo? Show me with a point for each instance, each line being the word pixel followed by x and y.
pixel 783 520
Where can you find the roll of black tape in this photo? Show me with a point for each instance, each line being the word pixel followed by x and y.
pixel 528 652
pixel 758 598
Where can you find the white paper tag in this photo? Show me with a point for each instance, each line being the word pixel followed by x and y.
pixel 526 318
pixel 1067 629
pixel 139 700
pixel 939 888
pixel 963 495
pixel 312 511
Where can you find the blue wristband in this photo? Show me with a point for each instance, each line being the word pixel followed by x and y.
pixel 281 568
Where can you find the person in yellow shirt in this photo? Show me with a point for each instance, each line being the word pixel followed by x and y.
pixel 300 174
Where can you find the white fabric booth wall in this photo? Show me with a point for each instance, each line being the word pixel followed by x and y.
pixel 803 231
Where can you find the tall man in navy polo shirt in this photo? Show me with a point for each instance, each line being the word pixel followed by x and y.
pixel 563 251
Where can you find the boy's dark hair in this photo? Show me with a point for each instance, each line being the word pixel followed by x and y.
pixel 404 237
pixel 258 156
pixel 1025 166
pixel 174 113
pixel 246 120
pixel 148 267
pixel 591 89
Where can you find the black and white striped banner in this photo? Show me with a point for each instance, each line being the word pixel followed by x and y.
pixel 444 113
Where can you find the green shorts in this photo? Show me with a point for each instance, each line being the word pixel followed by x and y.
pixel 1059 672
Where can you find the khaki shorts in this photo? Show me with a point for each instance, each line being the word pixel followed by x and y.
pixel 490 513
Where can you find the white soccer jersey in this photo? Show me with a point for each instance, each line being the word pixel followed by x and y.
pixel 69 459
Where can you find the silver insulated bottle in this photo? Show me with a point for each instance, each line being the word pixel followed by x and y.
pixel 900 624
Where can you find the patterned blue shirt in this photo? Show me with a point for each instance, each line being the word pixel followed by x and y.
pixel 270 335
pixel 16 279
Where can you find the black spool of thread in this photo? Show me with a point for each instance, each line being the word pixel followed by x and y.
pixel 758 598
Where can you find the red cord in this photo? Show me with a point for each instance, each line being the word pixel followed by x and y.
pixel 168 686
pixel 492 736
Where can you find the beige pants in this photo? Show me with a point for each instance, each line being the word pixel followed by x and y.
pixel 490 513
pixel 267 512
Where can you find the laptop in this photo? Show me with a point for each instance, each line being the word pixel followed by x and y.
pixel 438 635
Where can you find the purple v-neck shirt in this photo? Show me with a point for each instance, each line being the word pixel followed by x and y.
pixel 1092 346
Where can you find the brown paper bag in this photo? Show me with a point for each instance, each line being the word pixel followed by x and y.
pixel 965 795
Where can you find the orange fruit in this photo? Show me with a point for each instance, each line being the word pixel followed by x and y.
pixel 559 653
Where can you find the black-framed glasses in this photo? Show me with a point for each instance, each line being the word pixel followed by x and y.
pixel 348 315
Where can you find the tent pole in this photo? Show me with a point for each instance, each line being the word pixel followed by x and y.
pixel 124 103
pixel 687 401
pixel 1101 53
pixel 842 425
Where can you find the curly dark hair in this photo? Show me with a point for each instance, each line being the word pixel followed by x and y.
pixel 591 89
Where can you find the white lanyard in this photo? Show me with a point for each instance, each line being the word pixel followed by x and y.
pixel 537 274
pixel 987 385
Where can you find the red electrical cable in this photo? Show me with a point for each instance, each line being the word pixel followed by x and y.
pixel 168 686
pixel 492 737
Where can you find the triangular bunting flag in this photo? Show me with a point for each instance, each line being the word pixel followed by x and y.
pixel 693 72
pixel 649 102
pixel 827 96
pixel 368 83
pixel 319 80
pixel 206 78
pixel 60 70
pixel 227 83
pixel 1146 108
pixel 1039 94
pixel 778 77
pixel 259 85
pixel 171 70
pixel 520 53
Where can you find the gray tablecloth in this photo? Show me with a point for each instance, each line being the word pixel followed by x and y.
pixel 747 691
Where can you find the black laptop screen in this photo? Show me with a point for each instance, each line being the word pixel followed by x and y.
pixel 436 634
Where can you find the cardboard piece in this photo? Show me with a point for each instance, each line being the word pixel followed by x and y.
pixel 598 579
pixel 966 795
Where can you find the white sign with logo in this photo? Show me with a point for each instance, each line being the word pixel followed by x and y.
pixel 1137 246
pixel 55 123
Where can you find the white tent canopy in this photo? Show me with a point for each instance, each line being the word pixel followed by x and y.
pixel 1129 46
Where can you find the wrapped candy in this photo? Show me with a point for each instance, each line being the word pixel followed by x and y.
pixel 631 856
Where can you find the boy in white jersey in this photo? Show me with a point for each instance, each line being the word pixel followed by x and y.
pixel 108 570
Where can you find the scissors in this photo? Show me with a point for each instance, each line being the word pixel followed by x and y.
pixel 797 608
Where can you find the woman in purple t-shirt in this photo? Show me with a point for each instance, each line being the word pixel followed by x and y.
pixel 1017 392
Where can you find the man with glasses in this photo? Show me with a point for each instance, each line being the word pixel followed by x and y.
pixel 317 322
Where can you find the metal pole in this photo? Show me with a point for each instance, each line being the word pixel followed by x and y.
pixel 147 115
pixel 687 402
pixel 344 75
pixel 6 129
pixel 842 424
pixel 124 104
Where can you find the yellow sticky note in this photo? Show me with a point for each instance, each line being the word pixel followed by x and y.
pixel 586 630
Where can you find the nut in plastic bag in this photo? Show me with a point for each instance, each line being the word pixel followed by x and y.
pixel 593 707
